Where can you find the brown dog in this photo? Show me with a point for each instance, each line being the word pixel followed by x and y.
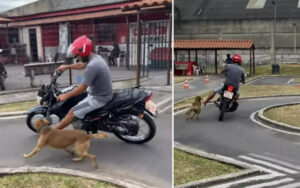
pixel 61 139
pixel 195 108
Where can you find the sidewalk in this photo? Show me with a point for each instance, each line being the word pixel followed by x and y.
pixel 16 79
pixel 160 92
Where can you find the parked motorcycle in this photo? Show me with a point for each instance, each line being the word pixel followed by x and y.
pixel 226 101
pixel 3 74
pixel 129 115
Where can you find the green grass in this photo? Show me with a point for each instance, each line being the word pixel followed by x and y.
pixel 285 70
pixel 297 80
pixel 17 106
pixel 44 180
pixel 178 79
pixel 285 114
pixel 188 167
pixel 254 91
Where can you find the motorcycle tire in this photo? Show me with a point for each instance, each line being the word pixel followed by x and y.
pixel 2 86
pixel 29 119
pixel 222 112
pixel 152 130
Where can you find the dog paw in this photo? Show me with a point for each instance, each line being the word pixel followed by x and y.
pixel 96 165
pixel 26 156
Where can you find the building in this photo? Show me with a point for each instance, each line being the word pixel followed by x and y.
pixel 48 26
pixel 245 20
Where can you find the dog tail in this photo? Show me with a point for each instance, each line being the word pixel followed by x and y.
pixel 99 135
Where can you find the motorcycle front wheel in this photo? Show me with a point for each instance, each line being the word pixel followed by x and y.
pixel 39 115
pixel 146 132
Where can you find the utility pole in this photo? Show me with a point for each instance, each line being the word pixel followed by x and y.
pixel 275 11
pixel 295 39
pixel 275 66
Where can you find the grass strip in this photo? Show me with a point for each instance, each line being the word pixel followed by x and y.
pixel 285 114
pixel 253 91
pixel 189 167
pixel 45 180
pixel 17 106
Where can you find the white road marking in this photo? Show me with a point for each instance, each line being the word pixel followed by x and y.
pixel 271 183
pixel 293 185
pixel 275 160
pixel 268 127
pixel 13 117
pixel 291 80
pixel 280 168
pixel 163 102
pixel 180 111
pixel 246 180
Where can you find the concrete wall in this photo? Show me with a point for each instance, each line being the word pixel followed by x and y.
pixel 261 31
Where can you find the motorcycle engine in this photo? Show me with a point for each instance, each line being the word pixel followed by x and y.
pixel 131 124
pixel 77 124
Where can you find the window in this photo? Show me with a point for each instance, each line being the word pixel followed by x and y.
pixel 107 32
pixel 13 36
pixel 256 4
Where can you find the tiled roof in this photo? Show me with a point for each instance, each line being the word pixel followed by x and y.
pixel 75 17
pixel 213 44
pixel 146 4
pixel 45 6
pixel 4 20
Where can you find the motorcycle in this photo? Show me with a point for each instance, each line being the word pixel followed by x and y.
pixel 226 102
pixel 129 115
pixel 3 74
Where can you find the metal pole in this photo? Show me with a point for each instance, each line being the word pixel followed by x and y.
pixel 250 62
pixel 169 51
pixel 127 44
pixel 216 61
pixel 138 67
pixel 253 51
pixel 253 56
pixel 274 29
pixel 295 39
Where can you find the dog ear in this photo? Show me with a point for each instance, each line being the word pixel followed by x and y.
pixel 47 122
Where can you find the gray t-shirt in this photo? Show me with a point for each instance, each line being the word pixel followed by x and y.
pixel 234 75
pixel 97 78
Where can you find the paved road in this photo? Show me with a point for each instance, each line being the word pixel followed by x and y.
pixel 148 163
pixel 240 138
pixel 196 87
pixel 273 81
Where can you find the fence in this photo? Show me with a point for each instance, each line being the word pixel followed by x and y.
pixel 114 39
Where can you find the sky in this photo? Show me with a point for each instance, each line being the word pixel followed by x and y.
pixel 9 4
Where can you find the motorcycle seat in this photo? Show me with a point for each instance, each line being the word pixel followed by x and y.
pixel 119 98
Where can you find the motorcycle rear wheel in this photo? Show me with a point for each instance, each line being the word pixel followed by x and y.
pixel 148 123
pixel 222 112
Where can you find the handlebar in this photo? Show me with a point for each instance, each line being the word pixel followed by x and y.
pixel 56 74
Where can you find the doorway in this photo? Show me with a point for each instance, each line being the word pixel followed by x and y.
pixel 33 45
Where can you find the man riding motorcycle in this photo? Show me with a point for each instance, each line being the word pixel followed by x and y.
pixel 96 81
pixel 234 75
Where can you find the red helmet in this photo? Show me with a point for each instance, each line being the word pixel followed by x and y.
pixel 236 59
pixel 81 46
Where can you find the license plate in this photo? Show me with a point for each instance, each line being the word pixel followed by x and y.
pixel 228 94
pixel 151 107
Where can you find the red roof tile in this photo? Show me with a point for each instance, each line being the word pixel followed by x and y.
pixel 75 17
pixel 4 20
pixel 147 4
pixel 213 44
